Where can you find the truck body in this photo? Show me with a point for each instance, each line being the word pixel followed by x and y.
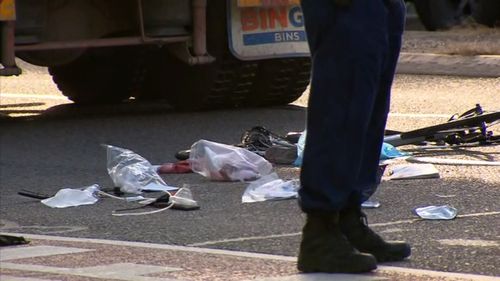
pixel 195 54
pixel 192 53
pixel 446 14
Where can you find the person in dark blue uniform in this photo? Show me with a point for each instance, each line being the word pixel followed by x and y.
pixel 354 46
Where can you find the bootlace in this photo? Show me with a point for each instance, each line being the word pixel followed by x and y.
pixel 368 233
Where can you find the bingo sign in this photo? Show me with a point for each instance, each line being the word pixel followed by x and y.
pixel 267 29
pixel 7 10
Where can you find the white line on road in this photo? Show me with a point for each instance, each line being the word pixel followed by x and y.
pixel 469 242
pixel 408 221
pixel 419 115
pixel 244 239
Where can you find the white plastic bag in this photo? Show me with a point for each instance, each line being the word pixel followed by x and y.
pixel 68 197
pixel 223 162
pixel 270 187
pixel 132 173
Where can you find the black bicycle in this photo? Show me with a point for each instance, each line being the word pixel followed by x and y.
pixel 472 126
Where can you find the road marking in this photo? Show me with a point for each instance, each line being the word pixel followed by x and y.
pixel 419 115
pixel 408 221
pixel 250 238
pixel 469 242
pixel 241 239
pixel 119 271
pixel 7 254
pixel 393 230
pixel 32 96
pixel 479 214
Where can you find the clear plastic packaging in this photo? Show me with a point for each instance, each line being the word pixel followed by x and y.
pixel 443 212
pixel 183 200
pixel 223 162
pixel 68 197
pixel 270 187
pixel 133 173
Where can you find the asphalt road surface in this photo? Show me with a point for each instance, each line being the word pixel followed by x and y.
pixel 60 146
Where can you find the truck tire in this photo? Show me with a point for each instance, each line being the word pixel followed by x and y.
pixel 442 14
pixel 226 83
pixel 280 81
pixel 487 12
pixel 221 84
pixel 103 75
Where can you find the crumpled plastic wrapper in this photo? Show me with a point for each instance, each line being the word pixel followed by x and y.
pixel 133 173
pixel 270 187
pixel 221 162
pixel 69 197
pixel 443 212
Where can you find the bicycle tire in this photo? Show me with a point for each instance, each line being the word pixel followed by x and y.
pixel 455 124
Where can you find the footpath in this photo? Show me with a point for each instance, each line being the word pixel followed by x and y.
pixel 51 258
pixel 472 52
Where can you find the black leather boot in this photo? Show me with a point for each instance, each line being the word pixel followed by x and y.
pixel 354 226
pixel 325 249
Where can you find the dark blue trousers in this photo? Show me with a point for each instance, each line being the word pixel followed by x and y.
pixel 354 53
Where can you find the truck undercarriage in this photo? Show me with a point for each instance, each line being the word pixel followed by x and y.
pixel 109 51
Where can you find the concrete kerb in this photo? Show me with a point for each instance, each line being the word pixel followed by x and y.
pixel 420 274
pixel 456 65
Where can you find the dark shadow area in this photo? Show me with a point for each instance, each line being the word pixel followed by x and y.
pixel 129 108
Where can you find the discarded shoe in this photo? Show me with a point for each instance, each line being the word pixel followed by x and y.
pixel 325 249
pixel 182 154
pixel 281 154
pixel 258 139
pixel 354 226
pixel 293 137
pixel 9 240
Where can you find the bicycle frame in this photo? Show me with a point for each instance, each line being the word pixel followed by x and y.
pixel 472 126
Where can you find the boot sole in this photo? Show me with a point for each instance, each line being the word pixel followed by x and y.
pixel 390 258
pixel 402 254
